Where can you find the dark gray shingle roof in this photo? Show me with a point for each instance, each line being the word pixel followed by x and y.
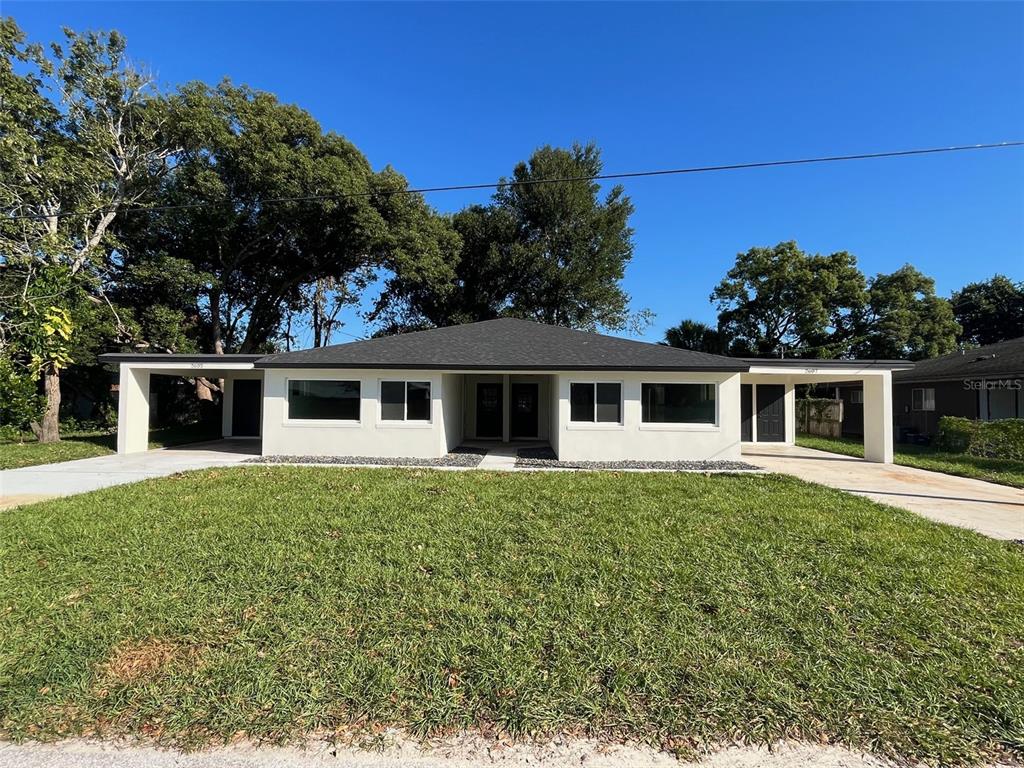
pixel 996 360
pixel 503 344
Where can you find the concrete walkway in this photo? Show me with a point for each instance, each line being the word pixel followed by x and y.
pixel 994 510
pixel 30 484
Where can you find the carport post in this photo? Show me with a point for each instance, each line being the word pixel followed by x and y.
pixel 133 410
pixel 878 417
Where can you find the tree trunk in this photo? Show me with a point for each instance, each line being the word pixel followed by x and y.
pixel 48 430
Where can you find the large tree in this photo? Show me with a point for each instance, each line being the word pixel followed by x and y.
pixel 903 319
pixel 783 301
pixel 237 227
pixel 79 141
pixel 697 336
pixel 552 251
pixel 990 311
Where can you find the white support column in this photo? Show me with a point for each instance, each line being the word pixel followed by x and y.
pixel 790 412
pixel 878 417
pixel 133 410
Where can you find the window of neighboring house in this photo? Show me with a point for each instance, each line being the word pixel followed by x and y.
pixel 322 399
pixel 405 401
pixel 923 399
pixel 856 397
pixel 678 403
pixel 1002 403
pixel 596 402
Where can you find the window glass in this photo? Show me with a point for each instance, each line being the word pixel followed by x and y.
pixel 923 399
pixel 857 397
pixel 418 401
pixel 1001 404
pixel 581 402
pixel 335 400
pixel 678 403
pixel 392 400
pixel 609 403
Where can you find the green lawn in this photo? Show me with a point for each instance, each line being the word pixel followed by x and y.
pixel 679 609
pixel 1002 471
pixel 85 444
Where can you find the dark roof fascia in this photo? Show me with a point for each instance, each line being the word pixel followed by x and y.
pixel 137 357
pixel 738 368
pixel 924 378
pixel 793 362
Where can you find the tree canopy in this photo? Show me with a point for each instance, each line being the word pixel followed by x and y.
pixel 551 252
pixel 990 311
pixel 781 298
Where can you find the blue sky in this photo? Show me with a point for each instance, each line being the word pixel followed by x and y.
pixel 458 93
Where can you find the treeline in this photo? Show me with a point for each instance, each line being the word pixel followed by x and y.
pixel 217 219
pixel 784 302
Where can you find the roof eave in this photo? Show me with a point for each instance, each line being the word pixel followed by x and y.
pixel 740 368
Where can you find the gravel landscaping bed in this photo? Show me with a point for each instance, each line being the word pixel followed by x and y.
pixel 460 457
pixel 544 457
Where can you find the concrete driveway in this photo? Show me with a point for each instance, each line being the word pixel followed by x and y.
pixel 29 484
pixel 994 510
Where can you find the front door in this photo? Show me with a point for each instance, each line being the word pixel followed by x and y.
pixel 771 413
pixel 246 407
pixel 488 409
pixel 746 413
pixel 525 400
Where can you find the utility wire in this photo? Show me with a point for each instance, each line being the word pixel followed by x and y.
pixel 534 182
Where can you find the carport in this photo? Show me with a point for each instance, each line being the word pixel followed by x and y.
pixel 242 396
pixel 768 398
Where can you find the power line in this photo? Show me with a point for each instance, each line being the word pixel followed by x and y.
pixel 533 182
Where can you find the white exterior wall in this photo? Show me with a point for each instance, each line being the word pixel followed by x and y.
pixel 370 436
pixel 132 410
pixel 649 442
pixel 451 402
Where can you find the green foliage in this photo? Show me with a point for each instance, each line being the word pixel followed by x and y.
pixel 998 439
pixel 781 298
pixel 990 311
pixel 20 403
pixel 675 609
pixel 234 269
pixel 555 253
pixel 700 337
pixel 903 319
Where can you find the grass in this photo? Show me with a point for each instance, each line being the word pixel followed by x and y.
pixel 1001 471
pixel 88 443
pixel 678 609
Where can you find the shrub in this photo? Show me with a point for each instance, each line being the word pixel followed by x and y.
pixel 1002 439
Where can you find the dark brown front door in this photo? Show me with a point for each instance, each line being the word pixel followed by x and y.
pixel 488 410
pixel 771 413
pixel 246 407
pixel 746 413
pixel 525 402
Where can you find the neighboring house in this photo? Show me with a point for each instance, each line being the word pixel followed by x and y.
pixel 985 383
pixel 590 396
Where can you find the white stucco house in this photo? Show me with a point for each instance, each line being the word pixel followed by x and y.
pixel 587 395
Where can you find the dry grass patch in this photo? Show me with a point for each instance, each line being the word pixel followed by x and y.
pixel 131 661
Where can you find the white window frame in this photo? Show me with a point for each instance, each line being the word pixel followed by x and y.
pixel 688 426
pixel 595 424
pixel 290 422
pixel 404 423
pixel 924 400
